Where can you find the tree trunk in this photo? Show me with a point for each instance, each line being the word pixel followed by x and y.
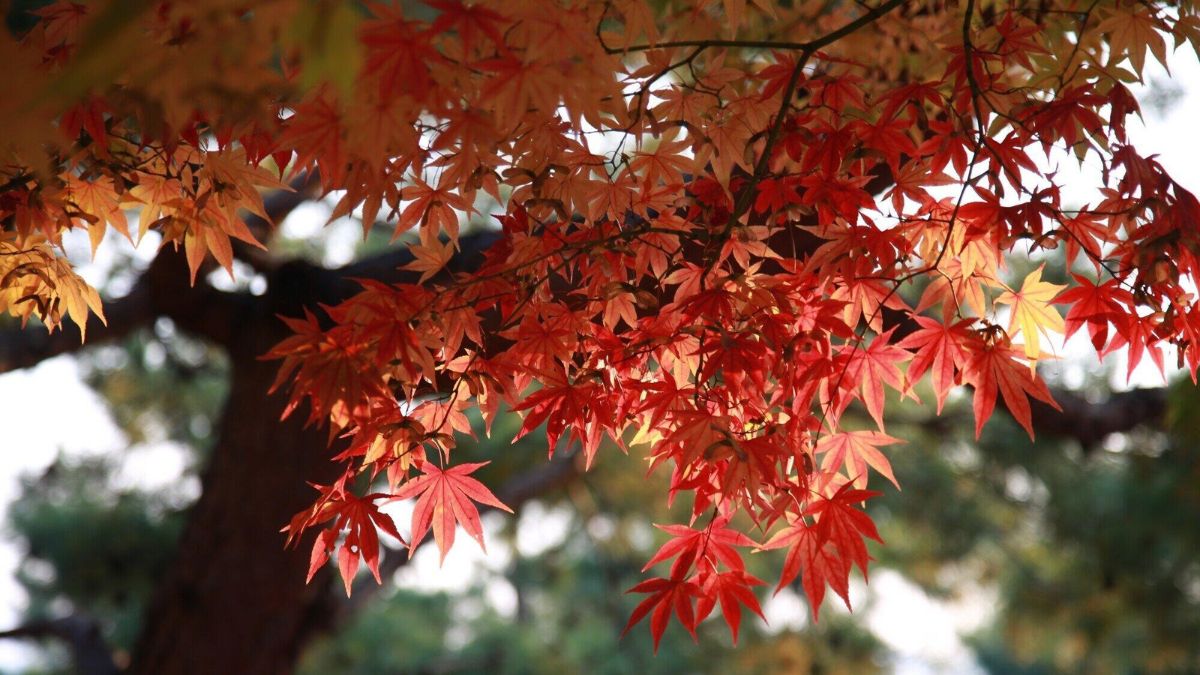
pixel 235 600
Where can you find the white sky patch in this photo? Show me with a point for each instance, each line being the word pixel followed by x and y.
pixel 465 564
pixel 158 466
pixel 541 529
pixel 923 633
pixel 45 409
pixel 786 610
pixel 310 221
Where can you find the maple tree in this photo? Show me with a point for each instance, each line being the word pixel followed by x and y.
pixel 720 226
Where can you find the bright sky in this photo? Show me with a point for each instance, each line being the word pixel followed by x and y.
pixel 48 408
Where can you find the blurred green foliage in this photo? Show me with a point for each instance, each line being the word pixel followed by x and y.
pixel 92 546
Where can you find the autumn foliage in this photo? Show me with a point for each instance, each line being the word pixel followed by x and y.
pixel 730 234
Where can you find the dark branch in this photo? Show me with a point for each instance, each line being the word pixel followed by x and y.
pixel 26 347
pixel 781 45
pixel 1090 422
pixel 89 652
pixel 163 290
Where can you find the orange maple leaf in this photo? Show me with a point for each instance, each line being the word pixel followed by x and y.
pixel 444 500
pixel 856 450
pixel 429 258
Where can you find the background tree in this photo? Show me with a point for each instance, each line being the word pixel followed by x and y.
pixel 726 283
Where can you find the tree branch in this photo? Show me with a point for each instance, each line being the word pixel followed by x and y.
pixel 163 290
pixel 29 346
pixel 781 45
pixel 1086 421
pixel 89 652
pixel 1090 422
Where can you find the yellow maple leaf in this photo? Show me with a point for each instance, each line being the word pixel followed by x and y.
pixel 1031 310
pixel 36 282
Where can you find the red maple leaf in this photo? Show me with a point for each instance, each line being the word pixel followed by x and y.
pixel 816 562
pixel 665 594
pixel 875 365
pixel 445 501
pixel 938 349
pixel 844 525
pixel 1095 305
pixel 690 545
pixel 993 369
pixel 732 589
pixel 359 516
pixel 823 553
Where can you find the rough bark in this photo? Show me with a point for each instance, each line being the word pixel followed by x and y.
pixel 235 600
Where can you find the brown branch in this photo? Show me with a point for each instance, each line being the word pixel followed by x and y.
pixel 89 651
pixel 1090 422
pixel 163 290
pixel 1087 421
pixel 782 45
pixel 26 347
pixel 386 266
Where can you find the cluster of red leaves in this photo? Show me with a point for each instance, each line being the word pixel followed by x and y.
pixel 707 249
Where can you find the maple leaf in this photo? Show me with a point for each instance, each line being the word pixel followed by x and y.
pixel 326 368
pixel 469 22
pixel 315 132
pixel 444 500
pixel 775 195
pixel 1096 305
pixel 434 208
pixel 911 182
pixel 666 162
pixel 939 351
pixel 159 198
pixel 359 516
pixel 99 207
pixel 558 403
pixel 993 369
pixel 822 554
pixel 429 258
pixel 690 545
pixel 665 595
pixel 856 450
pixel 1031 311
pixel 875 365
pixel 1130 33
pixel 732 589
pixel 844 525
pixel 1138 333
pixel 816 562
pixel 398 56
pixel 36 282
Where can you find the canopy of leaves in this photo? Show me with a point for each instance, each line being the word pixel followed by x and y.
pixel 709 213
